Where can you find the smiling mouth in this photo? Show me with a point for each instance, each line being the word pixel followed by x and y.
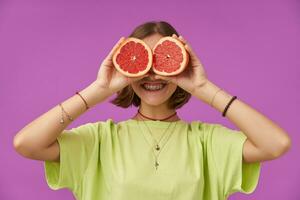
pixel 153 86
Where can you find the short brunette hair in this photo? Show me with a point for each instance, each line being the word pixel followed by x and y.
pixel 127 97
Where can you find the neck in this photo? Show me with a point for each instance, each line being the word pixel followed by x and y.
pixel 156 112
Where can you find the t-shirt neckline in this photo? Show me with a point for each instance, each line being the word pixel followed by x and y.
pixel 155 123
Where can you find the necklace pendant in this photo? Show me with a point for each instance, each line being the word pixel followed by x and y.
pixel 156 164
pixel 157 147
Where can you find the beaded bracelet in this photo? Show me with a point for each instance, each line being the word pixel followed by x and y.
pixel 227 106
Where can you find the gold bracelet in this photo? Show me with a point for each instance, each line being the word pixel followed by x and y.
pixel 86 105
pixel 62 121
pixel 214 97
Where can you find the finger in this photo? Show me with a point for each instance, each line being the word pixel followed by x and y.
pixel 174 35
pixel 190 51
pixel 194 57
pixel 182 39
pixel 187 46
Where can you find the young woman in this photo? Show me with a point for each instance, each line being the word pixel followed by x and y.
pixel 155 154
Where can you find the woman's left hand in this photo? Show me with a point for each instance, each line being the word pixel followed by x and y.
pixel 193 76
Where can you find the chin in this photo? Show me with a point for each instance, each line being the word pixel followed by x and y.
pixel 154 102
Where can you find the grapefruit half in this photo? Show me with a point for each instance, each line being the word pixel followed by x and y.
pixel 169 57
pixel 133 57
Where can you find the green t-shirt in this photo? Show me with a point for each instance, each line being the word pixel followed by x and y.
pixel 106 160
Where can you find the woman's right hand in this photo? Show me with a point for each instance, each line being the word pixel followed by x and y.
pixel 110 79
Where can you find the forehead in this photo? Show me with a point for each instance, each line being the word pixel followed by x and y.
pixel 151 40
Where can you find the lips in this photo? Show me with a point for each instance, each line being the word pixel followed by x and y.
pixel 154 82
pixel 151 83
pixel 153 87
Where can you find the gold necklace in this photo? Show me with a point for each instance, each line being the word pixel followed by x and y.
pixel 157 147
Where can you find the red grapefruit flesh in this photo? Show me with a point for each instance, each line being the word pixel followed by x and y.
pixel 133 57
pixel 169 57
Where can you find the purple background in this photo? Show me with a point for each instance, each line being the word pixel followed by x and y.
pixel 50 49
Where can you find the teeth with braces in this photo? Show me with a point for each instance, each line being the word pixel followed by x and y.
pixel 153 87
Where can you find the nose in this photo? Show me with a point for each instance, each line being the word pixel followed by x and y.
pixel 151 73
pixel 151 76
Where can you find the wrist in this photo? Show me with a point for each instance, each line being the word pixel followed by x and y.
pixel 94 94
pixel 208 92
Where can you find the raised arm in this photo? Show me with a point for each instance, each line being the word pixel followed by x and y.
pixel 38 139
pixel 266 140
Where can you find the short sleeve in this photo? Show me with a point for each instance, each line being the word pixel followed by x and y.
pixel 227 150
pixel 76 148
